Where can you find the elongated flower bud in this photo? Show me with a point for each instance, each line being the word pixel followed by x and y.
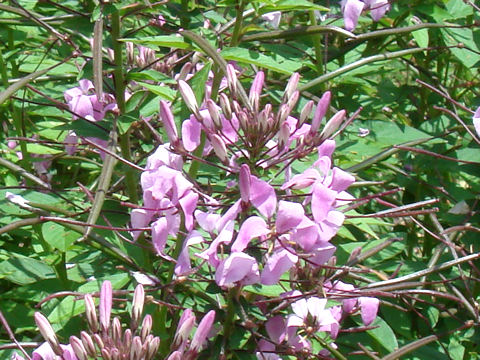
pixel 185 70
pixel 292 101
pixel 78 348
pixel 127 338
pixel 137 308
pixel 244 183
pixel 48 333
pixel 283 135
pixel 183 332
pixel 105 307
pixel 98 341
pixel 320 112
pixel 88 344
pixel 168 122
pixel 189 98
pixel 256 90
pixel 116 330
pixel 333 124
pixel 231 79
pixel 305 114
pixel 106 355
pixel 152 348
pixel 282 115
pixel 136 350
pixel 225 105
pixel 291 86
pixel 219 148
pixel 91 313
pixel 214 113
pixel 146 326
pixel 202 332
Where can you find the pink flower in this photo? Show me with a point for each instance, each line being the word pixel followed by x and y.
pixel 476 121
pixel 239 268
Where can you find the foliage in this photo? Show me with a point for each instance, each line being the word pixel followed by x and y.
pixel 408 85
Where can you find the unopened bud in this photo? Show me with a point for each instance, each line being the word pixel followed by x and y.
pixel 292 101
pixel 291 86
pixel 176 355
pixel 168 122
pixel 202 332
pixel 320 112
pixel 306 112
pixel 106 355
pixel 127 338
pixel 354 254
pixel 231 79
pixel 183 332
pixel 91 313
pixel 283 113
pixel 130 52
pixel 225 106
pixel 116 330
pixel 185 70
pixel 115 354
pixel 236 107
pixel 136 350
pixel 189 98
pixel 48 333
pixel 256 90
pixel 105 307
pixel 146 326
pixel 152 348
pixel 88 344
pixel 78 348
pixel 219 148
pixel 333 124
pixel 283 135
pixel 137 308
pixel 98 340
pixel 214 113
pixel 243 120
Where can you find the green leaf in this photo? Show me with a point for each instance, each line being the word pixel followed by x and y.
pixel 198 81
pixel 163 91
pixel 58 236
pixel 384 335
pixel 273 62
pixel 468 55
pixel 23 270
pixel 294 5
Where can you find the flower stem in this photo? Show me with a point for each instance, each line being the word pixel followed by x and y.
pixel 317 44
pixel 238 22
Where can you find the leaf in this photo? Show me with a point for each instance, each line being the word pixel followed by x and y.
pixel 384 335
pixel 468 55
pixel 294 5
pixel 58 236
pixel 163 91
pixel 198 82
pixel 22 270
pixel 273 62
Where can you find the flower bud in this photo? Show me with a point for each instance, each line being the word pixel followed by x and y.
pixel 105 307
pixel 168 122
pixel 88 344
pixel 136 350
pixel 236 107
pixel 98 340
pixel 185 70
pixel 333 124
pixel 256 90
pixel 244 183
pixel 225 105
pixel 282 114
pixel 214 113
pixel 305 114
pixel 106 355
pixel 176 355
pixel 48 333
pixel 231 79
pixel 91 313
pixel 291 86
pixel 219 148
pixel 320 112
pixel 189 98
pixel 243 120
pixel 283 136
pixel 78 348
pixel 137 308
pixel 202 332
pixel 116 330
pixel 130 52
pixel 152 348
pixel 127 338
pixel 292 101
pixel 184 328
pixel 146 326
pixel 115 354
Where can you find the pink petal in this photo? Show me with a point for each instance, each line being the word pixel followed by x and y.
pixel 202 332
pixel 306 234
pixel 351 13
pixel 244 183
pixel 320 111
pixel 476 121
pixel 207 221
pixel 238 267
pixel 276 265
pixel 326 148
pixel 191 130
pixel 262 196
pixel 105 307
pixel 289 215
pixel 341 180
pixel 322 201
pixel 322 253
pixel 368 309
pixel 188 203
pixel 139 219
pixel 183 262
pixel 276 328
pixel 160 231
pixel 378 8
pixel 253 227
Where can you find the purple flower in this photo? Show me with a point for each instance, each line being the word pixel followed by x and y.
pixel 239 268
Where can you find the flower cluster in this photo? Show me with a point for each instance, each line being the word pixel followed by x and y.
pixel 106 339
pixel 272 228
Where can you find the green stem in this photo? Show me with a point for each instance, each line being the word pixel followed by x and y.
pixel 124 140
pixel 317 44
pixel 232 297
pixel 238 23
